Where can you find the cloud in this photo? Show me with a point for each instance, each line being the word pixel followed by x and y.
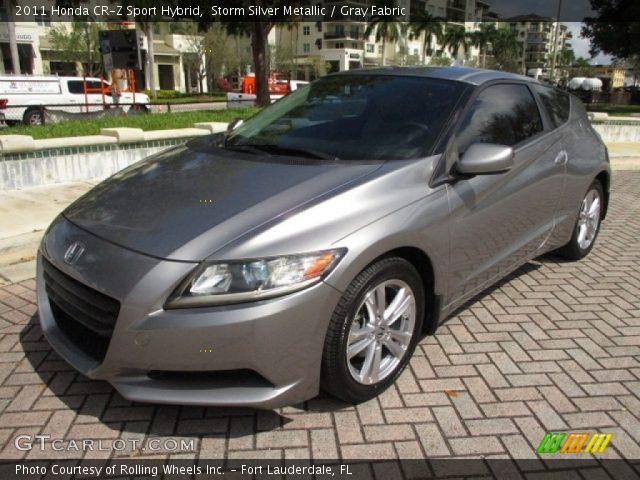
pixel 581 45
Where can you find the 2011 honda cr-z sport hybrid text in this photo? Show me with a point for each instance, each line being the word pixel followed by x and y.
pixel 312 246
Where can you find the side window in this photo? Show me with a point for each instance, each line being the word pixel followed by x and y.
pixel 504 114
pixel 556 102
pixel 75 86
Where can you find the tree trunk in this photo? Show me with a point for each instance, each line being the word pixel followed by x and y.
pixel 259 32
pixel 424 49
pixel 151 61
pixel 13 44
pixel 384 48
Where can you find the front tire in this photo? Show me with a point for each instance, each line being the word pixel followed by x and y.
pixel 587 226
pixel 373 331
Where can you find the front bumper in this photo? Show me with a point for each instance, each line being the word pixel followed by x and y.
pixel 264 354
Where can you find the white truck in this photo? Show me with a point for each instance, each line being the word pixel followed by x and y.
pixel 23 97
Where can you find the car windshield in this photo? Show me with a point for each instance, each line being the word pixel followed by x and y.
pixel 354 117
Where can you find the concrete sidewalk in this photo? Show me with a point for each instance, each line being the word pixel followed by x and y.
pixel 25 214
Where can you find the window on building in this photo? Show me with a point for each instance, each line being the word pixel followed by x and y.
pixel 64 69
pixel 380 49
pixel 306 48
pixel 371 48
pixel 502 114
pixel 306 30
pixel 339 44
pixel 43 20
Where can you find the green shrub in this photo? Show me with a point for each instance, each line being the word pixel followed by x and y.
pixel 164 93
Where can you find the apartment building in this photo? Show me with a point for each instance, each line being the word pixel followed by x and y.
pixel 537 35
pixel 340 43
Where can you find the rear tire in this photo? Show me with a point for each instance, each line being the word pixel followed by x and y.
pixel 373 331
pixel 33 116
pixel 587 225
pixel 136 109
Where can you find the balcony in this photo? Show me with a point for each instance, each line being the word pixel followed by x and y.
pixel 457 5
pixel 343 36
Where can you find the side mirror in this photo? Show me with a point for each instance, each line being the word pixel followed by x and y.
pixel 235 123
pixel 485 159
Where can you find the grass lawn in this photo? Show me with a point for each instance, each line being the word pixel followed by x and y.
pixel 615 110
pixel 155 121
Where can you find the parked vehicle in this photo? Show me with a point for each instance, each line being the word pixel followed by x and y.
pixel 25 96
pixel 278 88
pixel 313 245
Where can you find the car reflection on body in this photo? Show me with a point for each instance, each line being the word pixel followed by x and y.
pixel 312 246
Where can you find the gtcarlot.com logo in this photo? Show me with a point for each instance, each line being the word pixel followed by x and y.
pixel 560 442
pixel 46 442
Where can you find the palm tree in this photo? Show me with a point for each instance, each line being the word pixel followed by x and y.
pixel 146 24
pixel 455 38
pixel 482 38
pixel 567 56
pixel 386 30
pixel 506 48
pixel 426 24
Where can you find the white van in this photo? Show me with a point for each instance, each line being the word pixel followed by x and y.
pixel 26 95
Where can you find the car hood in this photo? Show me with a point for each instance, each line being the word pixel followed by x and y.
pixel 186 203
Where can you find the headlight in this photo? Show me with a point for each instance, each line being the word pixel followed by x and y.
pixel 255 279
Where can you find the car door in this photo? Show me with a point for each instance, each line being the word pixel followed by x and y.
pixel 497 220
pixel 81 102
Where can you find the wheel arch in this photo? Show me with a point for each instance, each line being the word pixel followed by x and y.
pixel 422 263
pixel 604 178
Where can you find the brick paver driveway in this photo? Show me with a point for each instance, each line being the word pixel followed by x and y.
pixel 554 347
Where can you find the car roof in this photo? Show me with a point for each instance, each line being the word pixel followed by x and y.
pixel 474 76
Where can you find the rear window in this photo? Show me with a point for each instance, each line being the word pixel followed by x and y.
pixel 556 102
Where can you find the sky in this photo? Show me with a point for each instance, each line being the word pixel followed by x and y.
pixel 581 46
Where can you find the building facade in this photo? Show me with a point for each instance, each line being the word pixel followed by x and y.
pixel 38 56
pixel 537 35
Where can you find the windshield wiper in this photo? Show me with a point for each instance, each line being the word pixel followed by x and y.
pixel 296 152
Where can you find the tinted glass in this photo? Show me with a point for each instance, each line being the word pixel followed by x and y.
pixel 75 86
pixel 556 102
pixel 501 114
pixel 356 117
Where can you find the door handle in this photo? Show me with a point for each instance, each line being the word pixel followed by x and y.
pixel 561 158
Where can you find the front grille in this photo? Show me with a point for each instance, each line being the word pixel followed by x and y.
pixel 86 316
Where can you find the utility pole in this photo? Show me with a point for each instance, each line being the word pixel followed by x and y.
pixel 555 43
pixel 13 45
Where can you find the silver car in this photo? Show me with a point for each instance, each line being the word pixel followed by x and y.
pixel 314 245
